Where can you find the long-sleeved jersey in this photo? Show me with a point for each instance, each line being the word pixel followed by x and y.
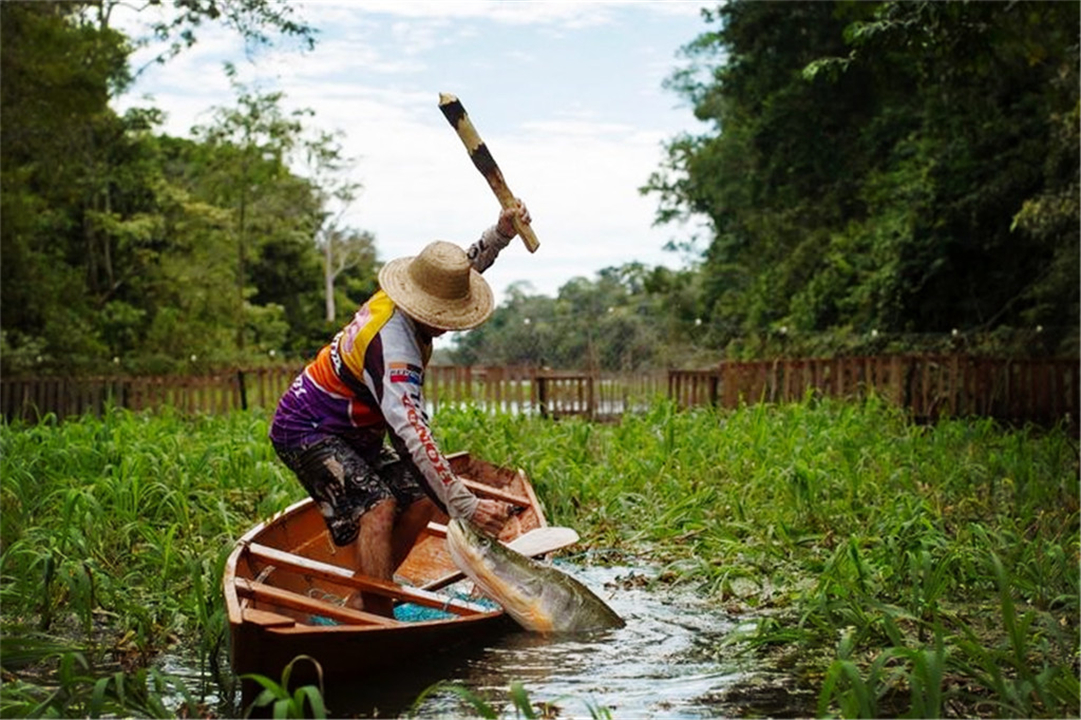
pixel 368 383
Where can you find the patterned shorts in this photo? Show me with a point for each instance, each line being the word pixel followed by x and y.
pixel 345 486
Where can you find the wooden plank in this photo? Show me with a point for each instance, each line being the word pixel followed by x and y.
pixel 7 388
pixel 261 592
pixel 954 385
pixel 531 497
pixel 725 383
pixel 432 383
pixel 1013 391
pixel 520 390
pixel 1040 404
pixel 1071 391
pixel 986 387
pixel 267 619
pixel 326 571
pixel 496 493
pixel 896 391
pixel 591 397
pixel 925 387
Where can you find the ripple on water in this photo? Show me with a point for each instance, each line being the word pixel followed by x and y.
pixel 651 668
pixel 660 665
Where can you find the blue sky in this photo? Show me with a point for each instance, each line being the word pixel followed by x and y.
pixel 567 95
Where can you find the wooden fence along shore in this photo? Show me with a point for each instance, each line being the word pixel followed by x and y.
pixel 1044 391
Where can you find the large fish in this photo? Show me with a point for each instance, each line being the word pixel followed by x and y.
pixel 537 596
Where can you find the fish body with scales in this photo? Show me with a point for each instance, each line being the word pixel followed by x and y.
pixel 538 596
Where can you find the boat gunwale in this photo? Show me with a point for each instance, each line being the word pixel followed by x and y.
pixel 235 605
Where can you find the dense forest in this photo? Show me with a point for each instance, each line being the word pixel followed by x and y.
pixel 876 176
pixel 126 249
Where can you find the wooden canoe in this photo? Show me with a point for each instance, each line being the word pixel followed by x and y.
pixel 285 579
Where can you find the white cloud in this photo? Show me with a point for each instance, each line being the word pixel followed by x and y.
pixel 574 140
pixel 575 128
pixel 520 12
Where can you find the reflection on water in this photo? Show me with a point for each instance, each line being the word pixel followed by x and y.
pixel 184 667
pixel 650 668
pixel 647 668
pixel 658 666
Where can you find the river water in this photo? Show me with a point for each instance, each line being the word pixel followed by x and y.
pixel 665 663
pixel 661 665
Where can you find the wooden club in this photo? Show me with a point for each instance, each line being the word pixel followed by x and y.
pixel 483 160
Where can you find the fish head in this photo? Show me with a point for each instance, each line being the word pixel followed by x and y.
pixel 464 539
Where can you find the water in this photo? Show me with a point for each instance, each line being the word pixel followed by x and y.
pixel 660 665
pixel 184 667
pixel 664 664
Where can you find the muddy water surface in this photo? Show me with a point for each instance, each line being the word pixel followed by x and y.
pixel 668 662
pixel 663 664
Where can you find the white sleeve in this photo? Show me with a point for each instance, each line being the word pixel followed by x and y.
pixel 401 399
pixel 484 251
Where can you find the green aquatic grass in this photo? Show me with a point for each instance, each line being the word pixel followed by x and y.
pixel 114 532
pixel 285 704
pixel 944 557
pixel 78 690
pixel 947 555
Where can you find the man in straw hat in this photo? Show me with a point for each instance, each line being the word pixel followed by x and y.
pixel 365 385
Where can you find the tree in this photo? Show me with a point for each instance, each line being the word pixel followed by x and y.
pixel 175 23
pixel 343 248
pixel 92 225
pixel 628 318
pixel 905 166
pixel 249 147
pixel 59 172
pixel 285 221
pixel 770 170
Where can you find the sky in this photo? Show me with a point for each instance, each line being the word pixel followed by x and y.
pixel 568 97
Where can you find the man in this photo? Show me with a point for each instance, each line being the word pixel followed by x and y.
pixel 365 385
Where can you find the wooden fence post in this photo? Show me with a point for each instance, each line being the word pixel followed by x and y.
pixel 541 381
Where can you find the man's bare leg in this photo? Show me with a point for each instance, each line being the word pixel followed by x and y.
pixel 374 556
pixel 414 519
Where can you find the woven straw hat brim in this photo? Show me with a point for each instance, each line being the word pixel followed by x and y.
pixel 440 313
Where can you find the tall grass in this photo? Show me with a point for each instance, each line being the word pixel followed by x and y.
pixel 114 532
pixel 913 570
pixel 946 556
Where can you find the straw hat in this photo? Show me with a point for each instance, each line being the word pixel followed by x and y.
pixel 439 287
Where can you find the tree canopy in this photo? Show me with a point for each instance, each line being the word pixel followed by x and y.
pixel 126 249
pixel 896 166
pixel 870 170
